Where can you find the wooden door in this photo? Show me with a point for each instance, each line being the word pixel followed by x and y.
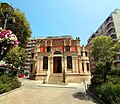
pixel 57 65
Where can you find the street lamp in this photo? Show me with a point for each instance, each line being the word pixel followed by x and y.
pixel 7 10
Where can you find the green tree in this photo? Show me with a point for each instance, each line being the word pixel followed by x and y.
pixel 21 27
pixel 103 50
pixel 15 57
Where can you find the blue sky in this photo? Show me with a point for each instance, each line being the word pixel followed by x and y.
pixel 65 17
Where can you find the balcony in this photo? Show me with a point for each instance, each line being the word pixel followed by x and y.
pixel 28 56
pixel 118 53
pixel 27 59
pixel 112 33
pixel 116 61
pixel 28 49
pixel 110 21
pixel 28 52
pixel 110 29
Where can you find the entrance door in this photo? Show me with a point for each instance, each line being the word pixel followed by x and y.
pixel 57 66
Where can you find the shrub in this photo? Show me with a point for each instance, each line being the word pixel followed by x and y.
pixel 114 79
pixel 8 83
pixel 4 88
pixel 115 71
pixel 96 81
pixel 109 93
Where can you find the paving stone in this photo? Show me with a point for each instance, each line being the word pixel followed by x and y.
pixel 34 92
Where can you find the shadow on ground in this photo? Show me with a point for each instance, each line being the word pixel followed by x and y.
pixel 84 96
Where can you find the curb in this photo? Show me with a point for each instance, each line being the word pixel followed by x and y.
pixel 3 94
pixel 95 97
pixel 53 86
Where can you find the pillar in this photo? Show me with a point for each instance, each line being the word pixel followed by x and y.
pixel 73 63
pixel 38 68
pixel 85 68
pixel 41 64
pixel 76 63
pixel 51 64
pixel 65 63
pixel 80 64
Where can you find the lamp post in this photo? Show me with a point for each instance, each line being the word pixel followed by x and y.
pixel 5 45
pixel 7 10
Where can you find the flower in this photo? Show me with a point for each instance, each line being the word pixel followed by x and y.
pixel 9 36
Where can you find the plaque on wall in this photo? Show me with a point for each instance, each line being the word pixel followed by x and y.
pixel 58 48
pixel 58 43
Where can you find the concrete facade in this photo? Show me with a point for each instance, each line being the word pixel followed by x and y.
pixel 110 27
pixel 62 57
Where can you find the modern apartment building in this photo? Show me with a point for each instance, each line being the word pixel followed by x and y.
pixel 59 59
pixel 110 27
pixel 27 63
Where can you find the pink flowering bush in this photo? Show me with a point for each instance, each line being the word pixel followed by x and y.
pixel 6 35
pixel 7 41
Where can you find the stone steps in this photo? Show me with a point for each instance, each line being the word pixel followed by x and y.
pixel 56 79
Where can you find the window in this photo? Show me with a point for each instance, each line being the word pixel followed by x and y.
pixel 86 53
pixel 48 49
pixel 32 55
pixel 113 36
pixel 45 63
pixel 87 64
pixel 81 53
pixel 31 67
pixel 67 48
pixel 57 52
pixel 69 62
pixel 83 67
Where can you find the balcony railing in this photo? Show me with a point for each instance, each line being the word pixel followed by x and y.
pixel 116 61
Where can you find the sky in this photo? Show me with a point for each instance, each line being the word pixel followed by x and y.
pixel 78 18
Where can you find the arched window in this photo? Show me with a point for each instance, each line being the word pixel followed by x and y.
pixel 45 63
pixel 57 52
pixel 69 62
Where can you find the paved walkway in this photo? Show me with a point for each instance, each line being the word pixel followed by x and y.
pixel 34 92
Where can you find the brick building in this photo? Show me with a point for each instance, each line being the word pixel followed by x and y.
pixel 59 59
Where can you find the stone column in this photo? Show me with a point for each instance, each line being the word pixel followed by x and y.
pixel 76 63
pixel 85 68
pixel 80 64
pixel 78 45
pixel 63 69
pixel 73 64
pixel 41 64
pixel 65 63
pixel 51 65
pixel 38 68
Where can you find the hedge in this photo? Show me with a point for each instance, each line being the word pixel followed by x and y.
pixel 109 93
pixel 8 83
